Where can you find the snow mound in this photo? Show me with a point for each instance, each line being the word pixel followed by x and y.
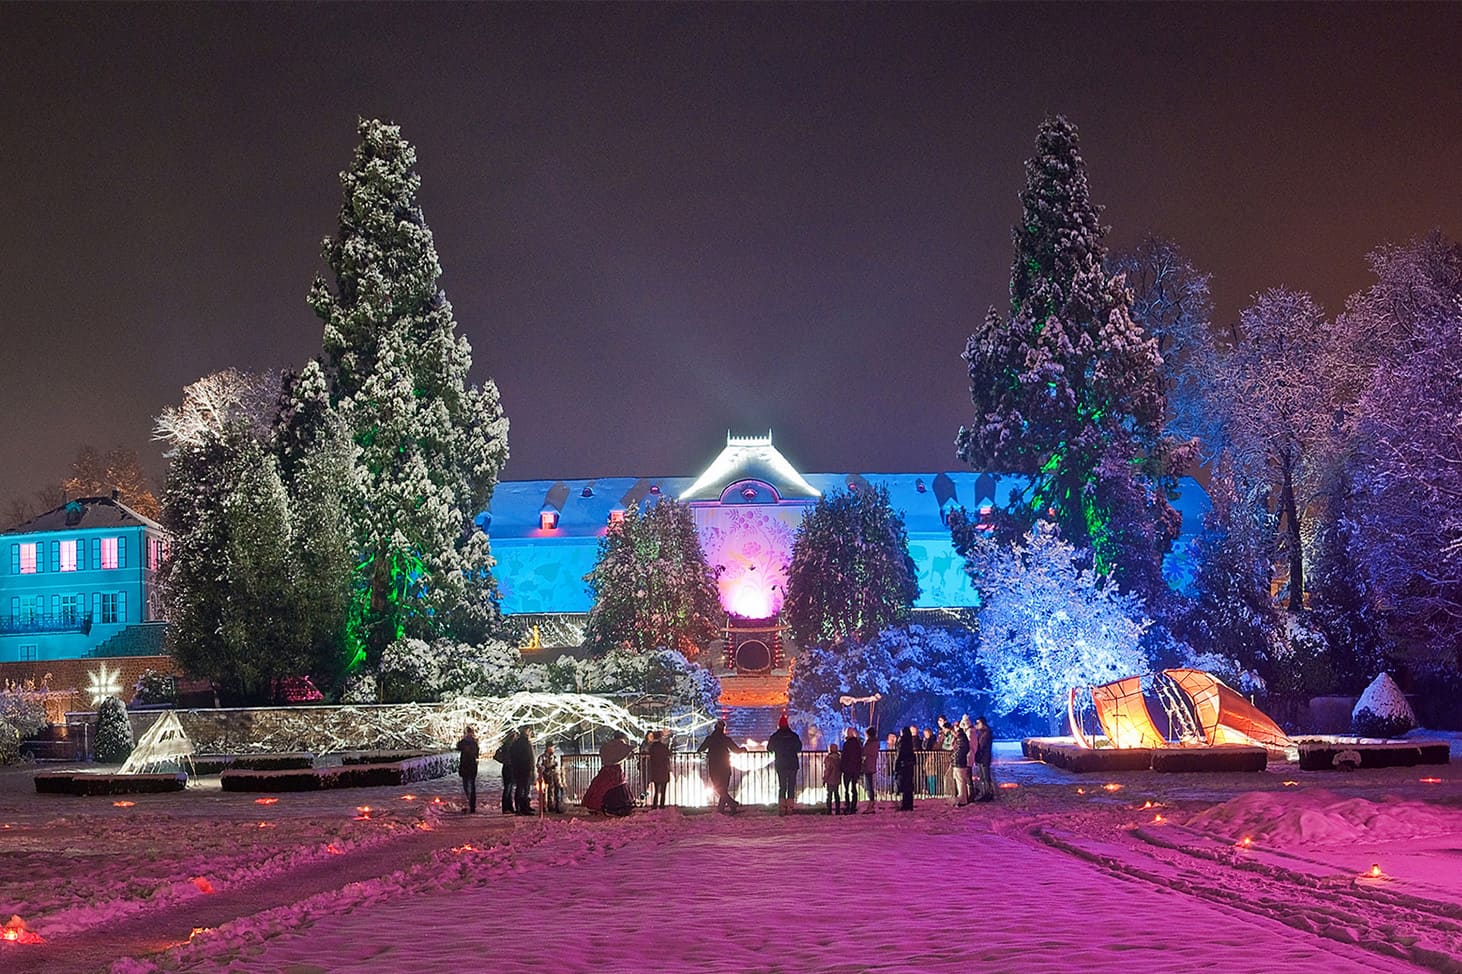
pixel 1316 817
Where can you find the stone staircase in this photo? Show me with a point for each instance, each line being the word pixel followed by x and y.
pixel 143 639
pixel 751 723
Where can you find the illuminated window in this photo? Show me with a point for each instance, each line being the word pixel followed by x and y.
pixel 109 552
pixel 548 520
pixel 68 556
pixel 157 552
pixel 616 516
pixel 28 558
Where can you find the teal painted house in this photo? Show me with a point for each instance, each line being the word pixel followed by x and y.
pixel 80 580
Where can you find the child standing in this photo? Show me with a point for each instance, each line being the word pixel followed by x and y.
pixel 832 778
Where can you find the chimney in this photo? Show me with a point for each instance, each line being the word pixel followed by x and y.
pixel 116 494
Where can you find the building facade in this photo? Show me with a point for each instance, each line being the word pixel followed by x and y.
pixel 80 580
pixel 748 504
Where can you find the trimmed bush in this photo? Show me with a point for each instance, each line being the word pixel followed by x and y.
pixel 113 732
pixel 90 783
pixel 1382 710
pixel 1200 759
pixel 422 768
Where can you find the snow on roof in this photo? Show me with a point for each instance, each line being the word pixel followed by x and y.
pixel 750 458
pixel 85 513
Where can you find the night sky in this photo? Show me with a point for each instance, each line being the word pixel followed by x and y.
pixel 661 222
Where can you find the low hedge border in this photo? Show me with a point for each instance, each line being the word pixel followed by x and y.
pixel 423 768
pixel 1320 755
pixel 91 783
pixel 380 757
pixel 1066 754
pixel 216 763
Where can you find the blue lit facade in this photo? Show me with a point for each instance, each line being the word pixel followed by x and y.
pixel 747 504
pixel 74 577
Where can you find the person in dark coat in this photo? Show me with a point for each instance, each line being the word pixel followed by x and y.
pixel 960 766
pixel 467 766
pixel 852 768
pixel 904 768
pixel 718 747
pixel 982 747
pixel 504 756
pixel 524 765
pixel 832 777
pixel 658 769
pixel 786 748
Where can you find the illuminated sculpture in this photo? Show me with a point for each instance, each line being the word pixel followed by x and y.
pixel 1207 710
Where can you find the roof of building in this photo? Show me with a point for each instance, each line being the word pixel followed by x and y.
pixel 750 458
pixel 85 513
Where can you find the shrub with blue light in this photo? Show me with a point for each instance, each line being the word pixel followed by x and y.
pixel 1049 624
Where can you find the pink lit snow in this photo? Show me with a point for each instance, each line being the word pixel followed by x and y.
pixel 1059 874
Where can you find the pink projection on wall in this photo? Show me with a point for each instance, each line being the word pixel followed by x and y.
pixel 752 545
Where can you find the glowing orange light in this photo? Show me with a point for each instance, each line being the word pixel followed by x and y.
pixel 1290 784
pixel 266 801
pixel 1112 786
pixel 1009 784
pixel 266 825
pixel 408 798
pixel 1425 781
pixel 15 932
pixel 1245 842
pixel 1158 819
pixel 365 813
pixel 199 931
pixel 204 886
pixel 424 826
pixel 437 800
pixel 1081 791
pixel 1375 872
pixel 123 804
pixel 334 850
pixel 463 848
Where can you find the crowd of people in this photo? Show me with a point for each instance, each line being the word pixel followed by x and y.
pixel 846 767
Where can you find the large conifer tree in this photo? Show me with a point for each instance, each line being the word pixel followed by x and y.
pixel 429 445
pixel 851 575
pixel 1066 389
pixel 651 585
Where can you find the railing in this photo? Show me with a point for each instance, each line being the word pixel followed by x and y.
pixel 43 622
pixel 754 779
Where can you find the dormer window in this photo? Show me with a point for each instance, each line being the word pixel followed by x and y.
pixel 749 493
pixel 616 517
pixel 655 490
pixel 548 520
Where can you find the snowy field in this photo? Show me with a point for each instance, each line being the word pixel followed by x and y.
pixel 1256 872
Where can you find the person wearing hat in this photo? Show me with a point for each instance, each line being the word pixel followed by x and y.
pixel 786 748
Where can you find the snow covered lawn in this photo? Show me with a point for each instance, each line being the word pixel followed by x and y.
pixel 1061 874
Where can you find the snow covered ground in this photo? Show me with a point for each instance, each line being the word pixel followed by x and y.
pixel 1062 873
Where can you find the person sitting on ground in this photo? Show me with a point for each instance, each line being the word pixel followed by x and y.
pixel 852 768
pixel 786 748
pixel 904 767
pixel 550 778
pixel 832 779
pixel 467 766
pixel 718 747
pixel 503 756
pixel 608 792
pixel 658 769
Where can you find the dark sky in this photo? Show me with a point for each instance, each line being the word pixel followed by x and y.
pixel 660 222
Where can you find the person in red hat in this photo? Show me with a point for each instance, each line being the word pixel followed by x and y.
pixel 786 748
